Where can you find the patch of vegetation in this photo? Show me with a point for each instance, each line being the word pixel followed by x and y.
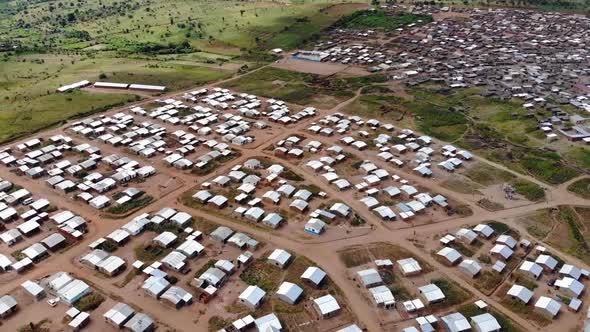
pixel 379 19
pixel 217 323
pixel 262 274
pixel 531 191
pixel 289 86
pixel 454 294
pixel 35 327
pixel 131 205
pixel 580 188
pixel 90 302
pixel 470 310
pixel 524 311
pixel 489 280
pixel 149 253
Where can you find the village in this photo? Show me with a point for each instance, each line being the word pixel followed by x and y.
pixel 214 209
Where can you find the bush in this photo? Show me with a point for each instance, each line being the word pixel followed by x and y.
pixel 90 302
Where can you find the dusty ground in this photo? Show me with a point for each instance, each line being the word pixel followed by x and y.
pixel 322 251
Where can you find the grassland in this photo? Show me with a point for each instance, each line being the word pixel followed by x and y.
pixel 581 188
pixel 301 88
pixel 178 43
pixel 378 19
pixel 566 228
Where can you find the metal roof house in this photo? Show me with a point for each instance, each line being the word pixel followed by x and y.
pixel 327 306
pixel 531 268
pixel 252 297
pixel 289 292
pixel 431 293
pixel 521 293
pixel 314 275
pixel 409 266
pixel 450 255
pixel 119 314
pixel 370 278
pixel 280 258
pixel 140 322
pixel 485 323
pixel 547 306
pixel 8 305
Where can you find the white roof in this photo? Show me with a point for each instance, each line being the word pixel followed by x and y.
pixel 327 304
pixel 450 254
pixel 485 323
pixel 531 267
pixel 432 293
pixel 409 265
pixel 548 304
pixel 522 293
pixel 314 274
pixel 268 323
pixel 252 295
pixel 369 277
pixel 290 291
pixel 570 284
pixel 570 270
pixel 32 287
pixel 119 313
pixel 547 260
pixel 502 250
pixel 280 256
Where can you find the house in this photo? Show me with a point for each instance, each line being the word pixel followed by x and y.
pixel 54 241
pixel 326 306
pixel 221 234
pixel 467 235
pixel 409 267
pixel 455 322
pixel 165 239
pixel 213 276
pixel 280 258
pixel 547 262
pixel 191 248
pixel 568 270
pixel 273 220
pixel 521 293
pixel 93 258
pixel 111 266
pixel 370 278
pixel 8 305
pixel 485 323
pixel 383 297
pixel 33 288
pixel 268 322
pixel 73 291
pixel 501 251
pixel 35 252
pixel 177 297
pixel 431 293
pixel 450 255
pixel 315 226
pixel 252 297
pixel 531 268
pixel 506 240
pixel 119 314
pixel 155 285
pixel 547 307
pixel 569 286
pixel 314 276
pixel 140 322
pixel 484 231
pixel 470 267
pixel 175 261
pixel 289 292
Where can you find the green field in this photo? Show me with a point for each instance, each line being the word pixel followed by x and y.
pixel 581 188
pixel 378 19
pixel 179 43
pixel 301 88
